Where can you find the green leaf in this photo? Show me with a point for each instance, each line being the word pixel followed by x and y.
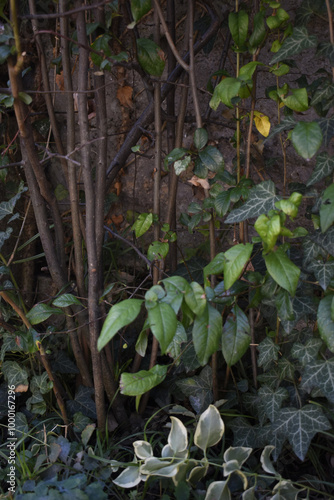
pixel 5 52
pixel 65 300
pixel 238 25
pixel 41 312
pixel 222 203
pixel 277 19
pixel 195 298
pixel 268 353
pixel 87 433
pixel 325 322
pixel 212 158
pixel 306 138
pixel 300 426
pixel 216 266
pixel 175 155
pixel 174 348
pixel 298 41
pixel 206 333
pixel 236 336
pixel 210 429
pixel 120 315
pixel 282 270
pixel 200 138
pixel 157 250
pixel 178 437
pixel 261 199
pixel 182 165
pixel 235 260
pixel 142 224
pixel 323 168
pixel 218 490
pixel 247 71
pixel 298 101
pixel 163 323
pixel 259 30
pixel 26 98
pixel 319 374
pixel 224 92
pixel 327 208
pixel 150 56
pixel 139 8
pixel 136 384
pixel 284 306
pixel 176 288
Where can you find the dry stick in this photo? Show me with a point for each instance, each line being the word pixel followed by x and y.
pixel 65 14
pixel 253 345
pixel 156 193
pixel 93 278
pixel 330 23
pixel 46 86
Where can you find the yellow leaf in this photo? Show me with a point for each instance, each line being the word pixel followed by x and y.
pixel 262 123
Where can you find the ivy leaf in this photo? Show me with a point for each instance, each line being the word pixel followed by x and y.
pixel 287 124
pixel 206 333
pixel 120 315
pixel 271 400
pixel 7 207
pixel 83 402
pixel 150 56
pixel 139 8
pixel 303 306
pixel 324 93
pixel 235 260
pixel 327 208
pixel 244 434
pixel 323 271
pixel 327 129
pixel 306 353
pixel 300 426
pixel 236 336
pixel 283 270
pixel 4 235
pixel 261 199
pixel 142 224
pixel 306 138
pixel 14 374
pixel 180 337
pixel 323 168
pixel 298 41
pixel 198 389
pixel 325 321
pixel 163 323
pixel 325 240
pixel 136 384
pixel 319 374
pixel 212 158
pixel 311 251
pixel 268 353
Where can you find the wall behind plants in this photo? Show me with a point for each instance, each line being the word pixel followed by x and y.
pixel 179 166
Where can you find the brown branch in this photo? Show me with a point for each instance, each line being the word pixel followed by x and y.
pixel 64 13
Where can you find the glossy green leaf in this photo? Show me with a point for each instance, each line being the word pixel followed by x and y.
pixel 222 203
pixel 216 266
pixel 150 56
pixel 210 429
pixel 142 224
pixel 238 25
pixel 247 71
pixel 261 199
pixel 323 168
pixel 120 315
pixel 176 288
pixel 224 92
pixel 163 323
pixel 139 8
pixel 175 155
pixel 195 298
pixel 306 138
pixel 212 158
pixel 26 98
pixel 200 138
pixel 327 208
pixel 299 426
pixel 325 322
pixel 284 306
pixel 298 41
pixel 280 17
pixel 136 384
pixel 259 31
pixel 65 300
pixel 236 336
pixel 298 101
pixel 235 260
pixel 157 250
pixel 41 312
pixel 282 270
pixel 206 333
